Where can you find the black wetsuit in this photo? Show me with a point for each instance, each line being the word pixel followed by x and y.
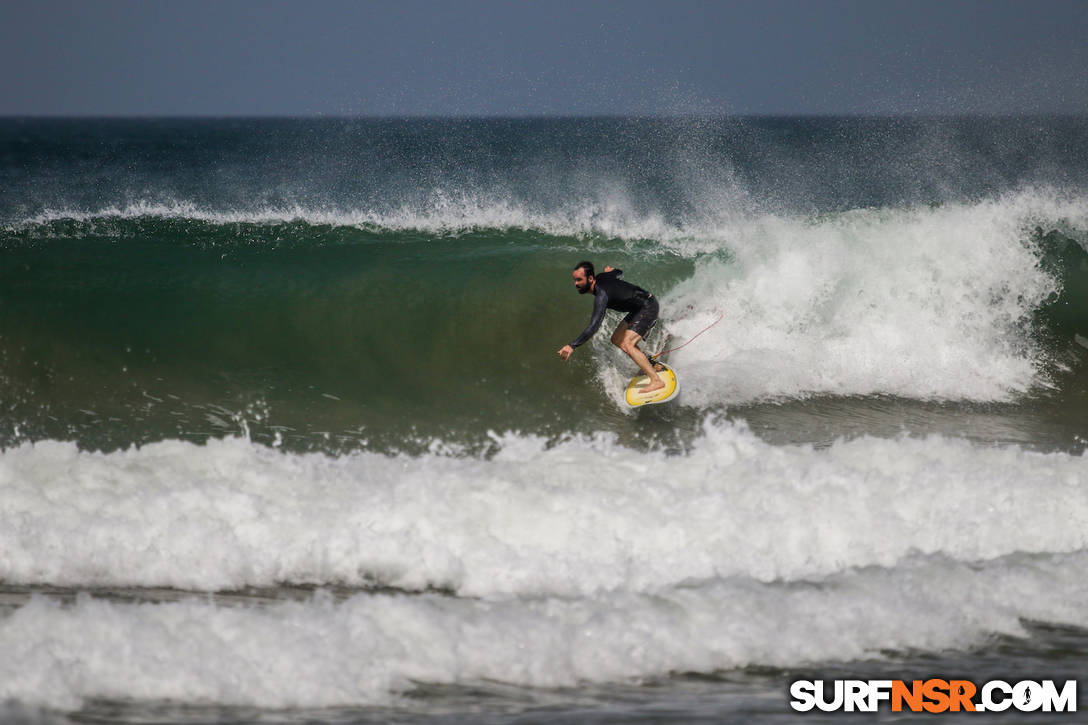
pixel 611 292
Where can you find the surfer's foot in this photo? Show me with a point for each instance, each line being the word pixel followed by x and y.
pixel 653 385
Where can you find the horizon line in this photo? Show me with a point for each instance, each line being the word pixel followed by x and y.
pixel 532 117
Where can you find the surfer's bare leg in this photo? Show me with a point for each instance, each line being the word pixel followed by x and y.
pixel 628 340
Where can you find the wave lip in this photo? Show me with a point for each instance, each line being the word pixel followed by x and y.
pixel 441 214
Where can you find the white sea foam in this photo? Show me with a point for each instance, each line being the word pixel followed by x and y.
pixel 583 516
pixel 367 648
pixel 921 303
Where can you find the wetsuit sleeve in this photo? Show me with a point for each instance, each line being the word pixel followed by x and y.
pixel 600 304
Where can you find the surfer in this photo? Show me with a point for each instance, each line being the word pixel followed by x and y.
pixel 610 292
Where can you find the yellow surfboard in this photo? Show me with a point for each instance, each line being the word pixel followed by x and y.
pixel 635 398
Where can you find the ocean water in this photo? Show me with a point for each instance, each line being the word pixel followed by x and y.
pixel 284 436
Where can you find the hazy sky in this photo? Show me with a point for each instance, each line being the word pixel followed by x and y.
pixel 469 57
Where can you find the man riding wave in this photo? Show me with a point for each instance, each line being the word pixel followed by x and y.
pixel 612 293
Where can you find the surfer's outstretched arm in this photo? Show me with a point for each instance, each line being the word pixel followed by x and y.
pixel 600 306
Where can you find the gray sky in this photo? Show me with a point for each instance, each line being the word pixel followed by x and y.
pixel 244 57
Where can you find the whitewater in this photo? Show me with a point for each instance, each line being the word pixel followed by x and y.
pixel 530 520
pixel 519 567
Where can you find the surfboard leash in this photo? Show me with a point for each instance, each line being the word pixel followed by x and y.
pixel 678 347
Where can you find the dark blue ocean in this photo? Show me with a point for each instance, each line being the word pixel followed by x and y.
pixel 284 436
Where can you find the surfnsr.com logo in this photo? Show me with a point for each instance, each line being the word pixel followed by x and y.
pixel 933 695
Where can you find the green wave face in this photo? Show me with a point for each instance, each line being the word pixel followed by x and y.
pixel 155 328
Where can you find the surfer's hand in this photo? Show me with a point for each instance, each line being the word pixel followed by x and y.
pixel 566 351
pixel 609 269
